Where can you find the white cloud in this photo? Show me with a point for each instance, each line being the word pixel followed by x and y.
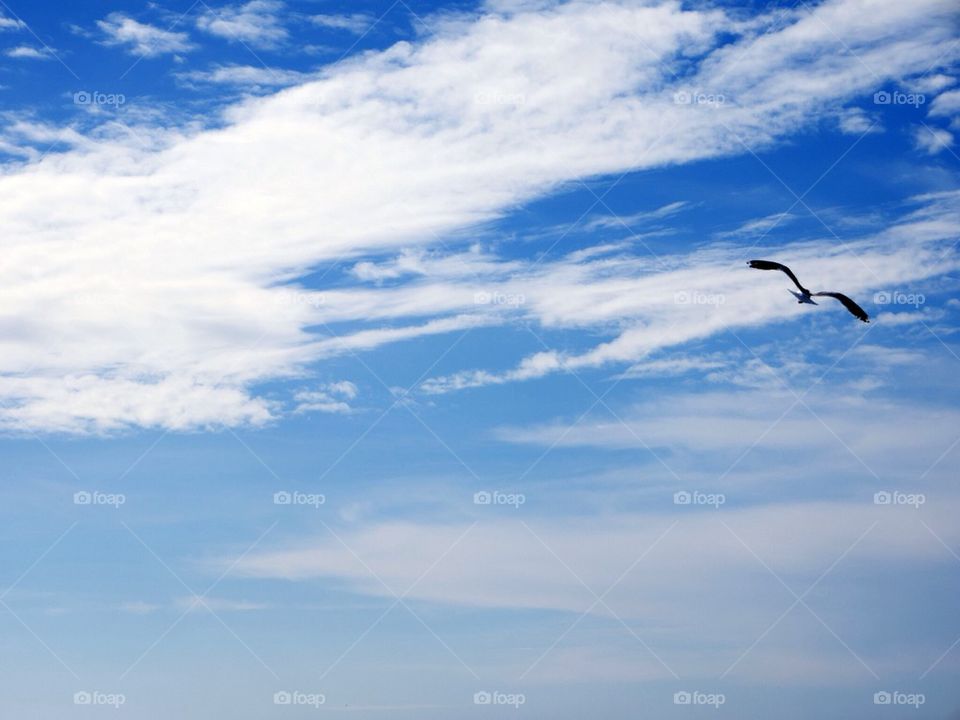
pixel 29 52
pixel 946 104
pixel 357 23
pixel 89 402
pixel 903 317
pixel 244 75
pixel 932 83
pixel 417 262
pixel 175 249
pixel 656 564
pixel 9 23
pixel 142 39
pixel 932 140
pixel 256 23
pixel 677 365
pixel 856 122
pixel 329 398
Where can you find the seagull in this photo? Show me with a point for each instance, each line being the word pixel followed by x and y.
pixel 805 296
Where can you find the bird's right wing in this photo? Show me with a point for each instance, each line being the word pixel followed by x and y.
pixel 855 310
pixel 770 265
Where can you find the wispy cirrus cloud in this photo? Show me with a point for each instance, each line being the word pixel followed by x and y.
pixel 758 227
pixel 245 76
pixel 192 604
pixel 142 39
pixel 618 222
pixel 356 23
pixel 699 295
pixel 901 440
pixel 328 398
pixel 654 565
pixel 258 23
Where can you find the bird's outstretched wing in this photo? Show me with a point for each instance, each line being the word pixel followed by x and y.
pixel 770 265
pixel 855 310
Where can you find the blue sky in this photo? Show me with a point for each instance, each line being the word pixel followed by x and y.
pixel 390 358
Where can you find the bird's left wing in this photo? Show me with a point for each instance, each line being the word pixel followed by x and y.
pixel 855 310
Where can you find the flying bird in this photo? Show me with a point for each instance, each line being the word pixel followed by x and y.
pixel 805 296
